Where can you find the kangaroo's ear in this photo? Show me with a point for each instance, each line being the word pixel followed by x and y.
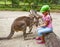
pixel 31 11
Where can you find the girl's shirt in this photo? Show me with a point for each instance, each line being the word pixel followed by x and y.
pixel 47 18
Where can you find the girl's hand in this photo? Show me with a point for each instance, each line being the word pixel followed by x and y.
pixel 45 24
pixel 41 25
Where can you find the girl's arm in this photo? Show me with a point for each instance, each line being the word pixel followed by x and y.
pixel 45 23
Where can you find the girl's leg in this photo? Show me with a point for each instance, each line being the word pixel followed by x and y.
pixel 44 30
pixel 40 33
pixel 38 38
pixel 42 40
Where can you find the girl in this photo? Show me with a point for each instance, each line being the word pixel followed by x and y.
pixel 46 27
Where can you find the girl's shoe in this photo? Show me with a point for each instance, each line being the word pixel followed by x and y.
pixel 40 42
pixel 38 38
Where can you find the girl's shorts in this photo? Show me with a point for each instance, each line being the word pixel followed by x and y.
pixel 42 30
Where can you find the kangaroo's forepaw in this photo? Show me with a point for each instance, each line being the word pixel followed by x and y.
pixel 25 38
pixel 30 32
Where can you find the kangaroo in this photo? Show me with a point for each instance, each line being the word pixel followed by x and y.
pixel 21 24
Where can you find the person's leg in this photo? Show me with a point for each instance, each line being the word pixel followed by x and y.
pixel 44 30
pixel 40 33
pixel 38 37
pixel 42 40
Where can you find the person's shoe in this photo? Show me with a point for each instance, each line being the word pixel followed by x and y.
pixel 40 42
pixel 38 38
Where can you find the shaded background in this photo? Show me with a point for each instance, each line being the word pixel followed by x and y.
pixel 26 5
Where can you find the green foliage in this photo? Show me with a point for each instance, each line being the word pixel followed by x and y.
pixel 26 5
pixel 15 3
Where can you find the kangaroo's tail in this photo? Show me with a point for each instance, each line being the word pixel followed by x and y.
pixel 9 36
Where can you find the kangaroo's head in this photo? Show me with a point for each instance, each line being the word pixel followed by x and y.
pixel 35 16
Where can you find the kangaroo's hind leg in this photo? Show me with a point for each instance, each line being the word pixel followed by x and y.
pixel 24 31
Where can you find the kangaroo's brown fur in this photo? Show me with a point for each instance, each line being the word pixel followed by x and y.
pixel 21 23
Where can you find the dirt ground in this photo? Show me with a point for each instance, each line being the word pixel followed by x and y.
pixel 6 19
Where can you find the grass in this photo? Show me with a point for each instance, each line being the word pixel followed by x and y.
pixel 10 9
pixel 20 9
